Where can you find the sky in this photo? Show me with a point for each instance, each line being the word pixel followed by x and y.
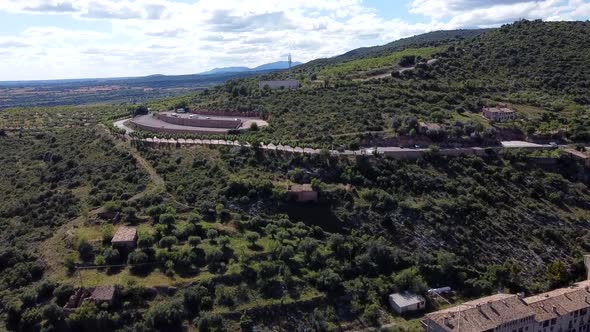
pixel 58 39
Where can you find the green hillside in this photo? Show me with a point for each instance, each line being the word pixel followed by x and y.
pixel 221 244
pixel 539 69
pixel 431 39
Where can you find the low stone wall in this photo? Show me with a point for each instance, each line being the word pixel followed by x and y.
pixel 162 130
pixel 248 114
pixel 206 123
pixel 444 152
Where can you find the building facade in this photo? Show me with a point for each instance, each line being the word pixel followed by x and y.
pixel 125 237
pixel 405 302
pixel 279 84
pixel 499 313
pixel 560 310
pixel 498 114
pixel 302 193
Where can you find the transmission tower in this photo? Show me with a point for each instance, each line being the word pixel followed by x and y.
pixel 290 63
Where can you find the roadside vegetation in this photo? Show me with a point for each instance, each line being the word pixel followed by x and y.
pixel 547 88
pixel 222 246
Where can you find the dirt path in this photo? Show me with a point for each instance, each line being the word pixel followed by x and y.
pixel 53 249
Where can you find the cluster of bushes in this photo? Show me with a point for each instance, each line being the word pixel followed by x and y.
pixel 41 175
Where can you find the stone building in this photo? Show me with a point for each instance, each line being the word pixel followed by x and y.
pixel 406 302
pixel 279 84
pixel 125 237
pixel 498 114
pixel 561 310
pixel 302 193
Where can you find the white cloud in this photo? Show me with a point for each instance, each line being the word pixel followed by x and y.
pixel 52 7
pixel 12 44
pixel 170 37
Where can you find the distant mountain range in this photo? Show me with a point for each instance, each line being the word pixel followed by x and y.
pixel 279 65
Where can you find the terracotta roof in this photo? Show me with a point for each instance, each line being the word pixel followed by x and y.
pixel 405 299
pixel 560 301
pixel 103 293
pixel 125 234
pixel 300 188
pixel 483 314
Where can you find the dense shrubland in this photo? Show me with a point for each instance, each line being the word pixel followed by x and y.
pixel 538 68
pixel 245 255
pixel 48 178
pixel 474 224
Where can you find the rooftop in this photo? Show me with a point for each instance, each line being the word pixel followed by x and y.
pixel 103 293
pixel 430 126
pixel 560 301
pixel 483 314
pixel 300 188
pixel 498 110
pixel 125 234
pixel 405 299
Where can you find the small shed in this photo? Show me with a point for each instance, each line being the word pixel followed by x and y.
pixel 125 237
pixel 302 193
pixel 406 302
pixel 103 294
pixel 428 126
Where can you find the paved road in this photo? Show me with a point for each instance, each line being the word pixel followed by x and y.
pixel 121 125
pixel 520 144
pixel 388 151
pixel 392 151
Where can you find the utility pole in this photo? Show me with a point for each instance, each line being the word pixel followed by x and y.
pixel 80 276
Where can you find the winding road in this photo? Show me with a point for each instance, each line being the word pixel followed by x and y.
pixel 389 151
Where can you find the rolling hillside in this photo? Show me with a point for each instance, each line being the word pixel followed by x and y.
pixel 540 69
pixel 223 246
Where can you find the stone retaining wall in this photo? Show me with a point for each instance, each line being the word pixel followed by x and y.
pixel 178 131
pixel 238 114
pixel 205 123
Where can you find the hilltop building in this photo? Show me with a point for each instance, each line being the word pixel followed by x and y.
pixel 564 309
pixel 405 302
pixel 282 84
pixel 302 193
pixel 498 114
pixel 125 237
